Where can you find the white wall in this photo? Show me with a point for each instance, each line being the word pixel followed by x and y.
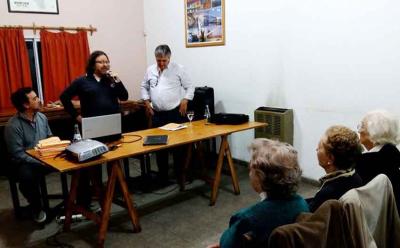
pixel 330 61
pixel 120 32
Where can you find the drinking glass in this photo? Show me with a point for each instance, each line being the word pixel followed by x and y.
pixel 190 116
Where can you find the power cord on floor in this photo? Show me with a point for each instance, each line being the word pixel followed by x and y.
pixel 54 242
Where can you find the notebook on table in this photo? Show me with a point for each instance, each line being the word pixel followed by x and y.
pixel 155 140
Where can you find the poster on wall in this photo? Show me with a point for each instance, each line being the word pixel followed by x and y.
pixel 33 6
pixel 204 23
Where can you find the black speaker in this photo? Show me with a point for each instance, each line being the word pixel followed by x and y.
pixel 202 96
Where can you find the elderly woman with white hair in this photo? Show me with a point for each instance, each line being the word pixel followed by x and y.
pixel 274 174
pixel 379 134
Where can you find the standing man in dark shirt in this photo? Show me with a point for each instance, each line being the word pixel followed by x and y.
pixel 99 92
pixel 23 131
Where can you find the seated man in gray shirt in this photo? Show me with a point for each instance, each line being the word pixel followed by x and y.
pixel 23 131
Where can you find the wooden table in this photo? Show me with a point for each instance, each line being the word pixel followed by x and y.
pixel 196 131
pixel 62 125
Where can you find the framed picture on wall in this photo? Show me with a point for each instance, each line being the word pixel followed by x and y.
pixel 204 23
pixel 33 6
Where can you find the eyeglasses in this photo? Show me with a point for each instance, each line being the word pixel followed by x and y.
pixel 103 62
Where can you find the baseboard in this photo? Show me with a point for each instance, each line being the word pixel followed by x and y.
pixel 310 181
pixel 240 162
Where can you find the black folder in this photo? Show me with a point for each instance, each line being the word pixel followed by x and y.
pixel 155 140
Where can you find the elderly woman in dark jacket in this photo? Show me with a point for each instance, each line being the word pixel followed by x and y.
pixel 274 174
pixel 379 133
pixel 337 153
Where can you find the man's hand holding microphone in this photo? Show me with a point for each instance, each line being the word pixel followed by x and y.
pixel 113 76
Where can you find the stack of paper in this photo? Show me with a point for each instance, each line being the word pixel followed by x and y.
pixel 173 126
pixel 51 147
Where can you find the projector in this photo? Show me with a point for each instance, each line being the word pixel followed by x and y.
pixel 86 149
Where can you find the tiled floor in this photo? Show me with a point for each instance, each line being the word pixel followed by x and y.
pixel 175 219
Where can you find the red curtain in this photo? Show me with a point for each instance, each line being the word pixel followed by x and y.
pixel 64 57
pixel 14 66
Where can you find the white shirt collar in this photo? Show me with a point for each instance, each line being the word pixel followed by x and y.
pixel 376 148
pixel 263 196
pixel 96 77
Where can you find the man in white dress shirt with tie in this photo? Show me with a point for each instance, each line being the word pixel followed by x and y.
pixel 166 90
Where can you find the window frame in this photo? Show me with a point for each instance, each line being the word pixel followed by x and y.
pixel 37 65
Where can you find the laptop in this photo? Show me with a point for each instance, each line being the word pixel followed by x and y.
pixel 104 128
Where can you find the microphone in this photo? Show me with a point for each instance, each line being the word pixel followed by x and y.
pixel 113 77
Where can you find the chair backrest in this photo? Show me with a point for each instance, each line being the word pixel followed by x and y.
pixel 326 227
pixel 7 168
pixel 378 211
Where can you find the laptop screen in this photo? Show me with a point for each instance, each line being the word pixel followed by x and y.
pixel 102 127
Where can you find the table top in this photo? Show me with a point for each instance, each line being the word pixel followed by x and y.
pixel 196 131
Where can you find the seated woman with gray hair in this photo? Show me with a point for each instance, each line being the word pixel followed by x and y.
pixel 379 133
pixel 274 174
pixel 337 152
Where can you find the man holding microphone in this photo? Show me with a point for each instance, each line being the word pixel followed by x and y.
pixel 99 92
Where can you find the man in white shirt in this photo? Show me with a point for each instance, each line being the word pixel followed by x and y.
pixel 166 90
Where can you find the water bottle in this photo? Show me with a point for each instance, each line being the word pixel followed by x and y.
pixel 207 114
pixel 77 134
